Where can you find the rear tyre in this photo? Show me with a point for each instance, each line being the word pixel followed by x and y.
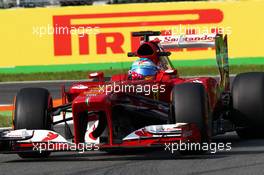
pixel 190 105
pixel 248 104
pixel 32 106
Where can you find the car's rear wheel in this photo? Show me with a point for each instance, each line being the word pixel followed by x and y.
pixel 248 104
pixel 190 105
pixel 32 111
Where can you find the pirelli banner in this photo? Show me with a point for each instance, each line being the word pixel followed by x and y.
pixel 98 37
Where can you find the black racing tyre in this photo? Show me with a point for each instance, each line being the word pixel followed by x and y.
pixel 32 106
pixel 248 104
pixel 190 105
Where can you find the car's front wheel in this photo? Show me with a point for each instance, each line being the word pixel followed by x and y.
pixel 32 111
pixel 190 105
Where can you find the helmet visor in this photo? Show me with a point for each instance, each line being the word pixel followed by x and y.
pixel 145 71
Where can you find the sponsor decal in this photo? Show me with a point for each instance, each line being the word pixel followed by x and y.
pixel 186 38
pixel 143 133
pixel 89 138
pixel 90 35
pixel 63 43
pixel 50 136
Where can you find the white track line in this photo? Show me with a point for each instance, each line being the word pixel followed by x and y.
pixel 5 128
pixel 6 105
pixel 42 81
pixel 214 76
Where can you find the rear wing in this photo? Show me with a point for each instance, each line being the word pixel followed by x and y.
pixel 217 41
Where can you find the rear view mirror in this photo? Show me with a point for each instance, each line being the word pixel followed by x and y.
pixel 97 75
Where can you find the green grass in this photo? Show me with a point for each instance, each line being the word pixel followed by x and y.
pixel 5 119
pixel 75 75
pixel 212 70
pixel 69 75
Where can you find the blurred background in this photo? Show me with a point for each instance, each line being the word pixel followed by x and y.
pixel 31 49
pixel 44 3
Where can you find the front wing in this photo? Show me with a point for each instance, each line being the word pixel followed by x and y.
pixel 16 141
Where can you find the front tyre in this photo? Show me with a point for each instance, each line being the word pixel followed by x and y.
pixel 190 105
pixel 32 111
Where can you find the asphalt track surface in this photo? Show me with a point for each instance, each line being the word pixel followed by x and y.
pixel 245 157
pixel 9 90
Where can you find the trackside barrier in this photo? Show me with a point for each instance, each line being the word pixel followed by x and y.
pixel 70 38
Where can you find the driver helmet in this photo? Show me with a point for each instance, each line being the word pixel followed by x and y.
pixel 143 69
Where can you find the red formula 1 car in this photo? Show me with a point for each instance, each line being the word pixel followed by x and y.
pixel 140 113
